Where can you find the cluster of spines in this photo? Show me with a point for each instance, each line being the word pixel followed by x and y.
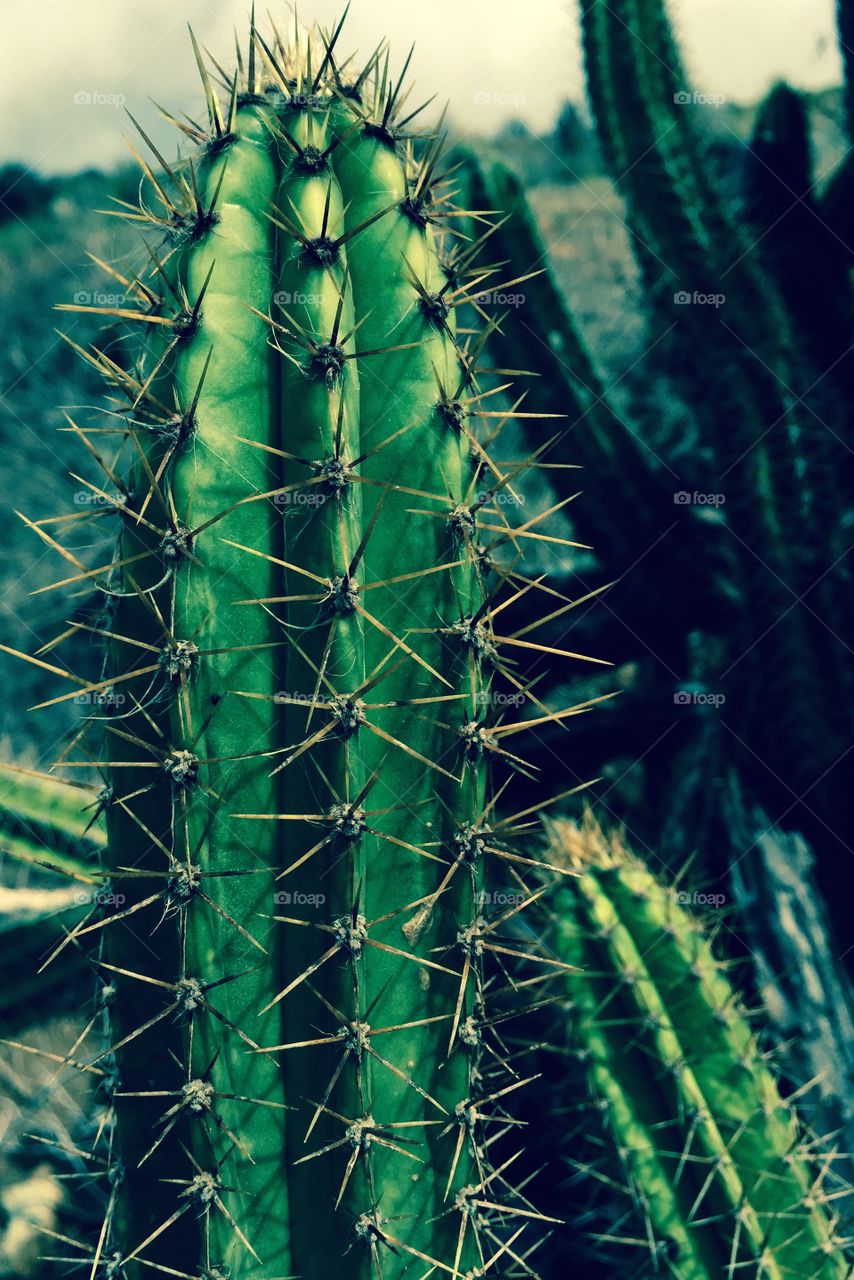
pixel 302 342
pixel 720 1176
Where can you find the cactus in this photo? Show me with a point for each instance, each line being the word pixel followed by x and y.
pixel 765 378
pixel 776 467
pixel 543 338
pixel 45 826
pixel 299 619
pixel 769 572
pixel 807 254
pixel 615 456
pixel 807 1002
pixel 719 1175
pixel 47 822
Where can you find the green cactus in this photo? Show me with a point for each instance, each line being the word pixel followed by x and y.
pixel 46 825
pixel 49 823
pixel 746 377
pixel 799 243
pixel 300 622
pixel 541 336
pixel 808 1005
pixel 719 1175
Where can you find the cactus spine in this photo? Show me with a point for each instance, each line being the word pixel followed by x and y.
pixel 718 1170
pixel 300 616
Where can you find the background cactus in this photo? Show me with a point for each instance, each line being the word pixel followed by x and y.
pixel 716 1173
pixel 543 340
pixel 45 838
pixel 48 821
pixel 806 999
pixel 764 381
pixel 777 462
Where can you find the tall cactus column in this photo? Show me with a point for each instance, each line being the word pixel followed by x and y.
pixel 323 880
pixel 383 764
pixel 422 581
pixel 192 960
pixel 302 618
pixel 219 756
pixel 778 467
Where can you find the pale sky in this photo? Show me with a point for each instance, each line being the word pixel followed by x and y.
pixel 493 59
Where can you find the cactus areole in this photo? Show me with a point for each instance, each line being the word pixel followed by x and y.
pixel 302 1074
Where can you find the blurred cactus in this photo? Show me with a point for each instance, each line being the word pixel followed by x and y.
pixel 776 463
pixel 717 1173
pixel 541 338
pixel 586 431
pixel 48 821
pixel 750 311
pixel 807 1001
pixel 800 245
pixel 46 834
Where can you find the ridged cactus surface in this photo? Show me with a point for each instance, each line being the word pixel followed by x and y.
pixel 717 1175
pixel 302 635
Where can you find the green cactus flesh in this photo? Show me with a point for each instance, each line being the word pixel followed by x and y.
pixel 46 825
pixel 717 1166
pixel 47 822
pixel 300 621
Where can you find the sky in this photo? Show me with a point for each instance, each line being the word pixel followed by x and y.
pixel 69 69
